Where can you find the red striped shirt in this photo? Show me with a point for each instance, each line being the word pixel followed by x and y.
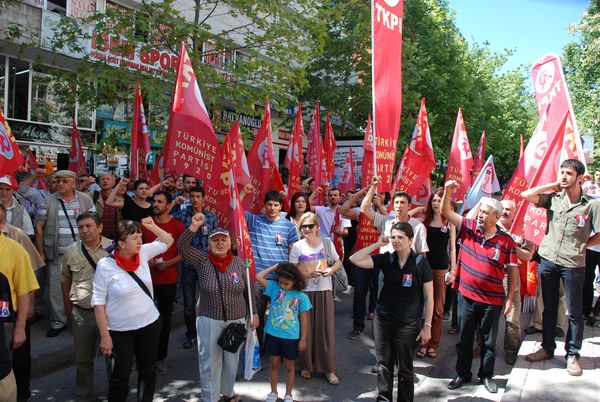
pixel 481 263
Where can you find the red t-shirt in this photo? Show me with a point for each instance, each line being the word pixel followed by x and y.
pixel 169 275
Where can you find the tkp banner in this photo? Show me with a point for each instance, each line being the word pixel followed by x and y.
pixel 386 42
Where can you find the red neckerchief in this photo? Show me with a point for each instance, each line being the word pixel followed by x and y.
pixel 221 263
pixel 128 264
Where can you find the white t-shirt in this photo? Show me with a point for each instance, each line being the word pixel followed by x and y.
pixel 326 216
pixel 384 224
pixel 310 258
pixel 128 307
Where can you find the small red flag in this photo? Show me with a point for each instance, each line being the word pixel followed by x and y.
pixel 314 154
pixel 32 165
pixel 157 174
pixel 479 158
pixel 140 139
pixel 76 157
pixel 261 164
pixel 238 161
pixel 368 157
pixel 461 160
pixel 347 179
pixel 329 147
pixel 294 157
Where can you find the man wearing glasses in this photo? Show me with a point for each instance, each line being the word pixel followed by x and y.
pixel 55 231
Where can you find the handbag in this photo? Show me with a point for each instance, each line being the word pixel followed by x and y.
pixel 235 333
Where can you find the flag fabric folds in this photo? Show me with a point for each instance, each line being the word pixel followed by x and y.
pixel 368 161
pixel 461 160
pixel 479 158
pixel 329 147
pixel 294 158
pixel 140 139
pixel 485 185
pixel 346 182
pixel 76 157
pixel 238 161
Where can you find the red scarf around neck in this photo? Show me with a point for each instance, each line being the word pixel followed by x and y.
pixel 221 263
pixel 128 264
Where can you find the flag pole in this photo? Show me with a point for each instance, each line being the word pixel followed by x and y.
pixel 249 288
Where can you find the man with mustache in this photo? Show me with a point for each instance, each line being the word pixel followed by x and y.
pixel 572 217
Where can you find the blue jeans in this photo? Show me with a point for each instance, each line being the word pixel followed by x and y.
pixel 573 278
pixel 472 315
pixel 365 281
pixel 189 282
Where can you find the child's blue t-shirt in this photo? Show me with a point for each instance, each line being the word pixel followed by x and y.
pixel 286 306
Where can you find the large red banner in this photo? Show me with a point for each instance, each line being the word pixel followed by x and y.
pixel 386 42
pixel 461 159
pixel 418 159
pixel 140 139
pixel 191 145
pixel 11 158
pixel 294 158
pixel 76 157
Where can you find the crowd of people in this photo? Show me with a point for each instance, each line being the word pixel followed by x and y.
pixel 113 256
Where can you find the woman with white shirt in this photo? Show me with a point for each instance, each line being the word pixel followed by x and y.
pixel 317 260
pixel 124 307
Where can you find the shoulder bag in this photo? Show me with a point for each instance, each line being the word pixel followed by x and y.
pixel 235 333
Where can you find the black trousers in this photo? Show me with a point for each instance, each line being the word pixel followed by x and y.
pixel 143 343
pixel 164 297
pixel 21 359
pixel 395 342
pixel 592 258
pixel 475 315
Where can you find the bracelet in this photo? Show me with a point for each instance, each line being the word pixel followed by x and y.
pixel 428 324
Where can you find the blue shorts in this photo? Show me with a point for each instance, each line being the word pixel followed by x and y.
pixel 287 348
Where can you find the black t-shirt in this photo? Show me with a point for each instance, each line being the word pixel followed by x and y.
pixel 400 298
pixel 133 212
pixel 6 313
pixel 437 241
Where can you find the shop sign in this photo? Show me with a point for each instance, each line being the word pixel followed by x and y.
pixel 122 132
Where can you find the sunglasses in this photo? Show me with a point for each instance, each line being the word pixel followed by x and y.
pixel 308 226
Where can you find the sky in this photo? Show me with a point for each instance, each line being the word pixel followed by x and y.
pixel 531 27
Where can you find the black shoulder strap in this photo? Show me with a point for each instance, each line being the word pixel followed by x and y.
pixel 221 293
pixel 137 280
pixel 95 196
pixel 62 204
pixel 88 256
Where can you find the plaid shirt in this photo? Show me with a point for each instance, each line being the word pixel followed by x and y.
pixel 200 239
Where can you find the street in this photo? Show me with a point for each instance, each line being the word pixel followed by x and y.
pixel 354 362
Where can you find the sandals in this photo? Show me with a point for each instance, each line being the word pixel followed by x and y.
pixel 304 373
pixel 421 353
pixel 431 353
pixel 453 331
pixel 332 378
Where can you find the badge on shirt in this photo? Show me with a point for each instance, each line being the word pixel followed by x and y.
pixel 280 297
pixel 278 239
pixel 444 229
pixel 580 219
pixel 204 230
pixel 294 304
pixel 235 278
pixel 4 309
pixel 407 280
pixel 496 255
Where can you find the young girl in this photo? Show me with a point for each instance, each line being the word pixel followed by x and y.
pixel 286 328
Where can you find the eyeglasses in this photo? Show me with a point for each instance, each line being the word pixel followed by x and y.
pixel 308 226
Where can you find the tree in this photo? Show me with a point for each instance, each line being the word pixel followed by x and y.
pixel 582 71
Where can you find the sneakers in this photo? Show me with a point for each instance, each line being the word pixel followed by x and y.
pixel 189 342
pixel 355 333
pixel 538 356
pixel 272 397
pixel 161 367
pixel 573 366
pixel 288 398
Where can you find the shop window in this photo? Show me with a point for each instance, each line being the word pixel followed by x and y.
pixel 57 6
pixel 18 88
pixel 47 104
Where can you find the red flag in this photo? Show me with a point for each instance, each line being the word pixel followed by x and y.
pixel 76 157
pixel 261 164
pixel 418 159
pixel 238 161
pixel 550 89
pixel 479 158
pixel 522 147
pixel 11 157
pixel 329 147
pixel 461 160
pixel 386 45
pixel 32 165
pixel 398 178
pixel 191 145
pixel 294 158
pixel 368 161
pixel 237 219
pixel 314 154
pixel 346 182
pixel 366 234
pixel 140 139
pixel 157 174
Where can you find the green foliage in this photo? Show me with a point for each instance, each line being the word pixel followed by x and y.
pixel 582 71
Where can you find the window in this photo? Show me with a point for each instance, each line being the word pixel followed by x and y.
pixel 18 89
pixel 47 106
pixel 57 6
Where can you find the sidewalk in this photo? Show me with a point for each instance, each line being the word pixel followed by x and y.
pixel 548 380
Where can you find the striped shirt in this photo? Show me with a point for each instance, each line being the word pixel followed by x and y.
pixel 481 263
pixel 270 240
